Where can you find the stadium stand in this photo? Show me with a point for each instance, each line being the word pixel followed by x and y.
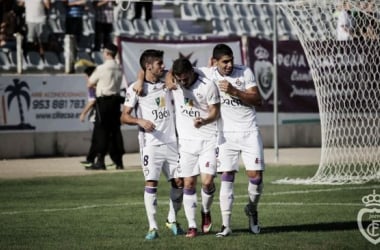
pixel 172 19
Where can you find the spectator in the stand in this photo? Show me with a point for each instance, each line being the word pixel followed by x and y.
pixel 36 23
pixel 6 6
pixel 7 30
pixel 74 17
pixel 103 23
pixel 147 6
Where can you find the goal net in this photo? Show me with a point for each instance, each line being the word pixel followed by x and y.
pixel 341 42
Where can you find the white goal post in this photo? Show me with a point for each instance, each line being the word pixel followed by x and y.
pixel 346 71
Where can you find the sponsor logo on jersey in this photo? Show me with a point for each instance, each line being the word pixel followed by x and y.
pixel 187 109
pixel 230 101
pixel 161 112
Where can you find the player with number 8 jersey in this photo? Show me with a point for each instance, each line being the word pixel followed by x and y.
pixel 154 114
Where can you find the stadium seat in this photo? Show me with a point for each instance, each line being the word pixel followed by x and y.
pixel 244 12
pixel 57 8
pixel 253 27
pixel 141 27
pixel 34 61
pixel 124 27
pixel 57 24
pixel 216 11
pixel 5 63
pixel 219 28
pixel 88 25
pixel 202 11
pixel 230 11
pixel 86 43
pixel 255 10
pixel 235 28
pixel 188 12
pixel 157 28
pixel 172 27
pixel 52 61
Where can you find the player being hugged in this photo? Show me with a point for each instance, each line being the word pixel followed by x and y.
pixel 197 107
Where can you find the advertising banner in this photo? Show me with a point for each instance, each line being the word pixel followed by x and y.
pixel 296 91
pixel 42 103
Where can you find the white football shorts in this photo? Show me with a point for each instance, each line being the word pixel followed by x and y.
pixel 197 156
pixel 247 144
pixel 155 159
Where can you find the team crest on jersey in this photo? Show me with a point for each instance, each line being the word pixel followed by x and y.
pixel 238 82
pixel 188 102
pixel 199 95
pixel 160 101
pixel 146 171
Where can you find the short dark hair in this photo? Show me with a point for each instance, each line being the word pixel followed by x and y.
pixel 181 65
pixel 221 50
pixel 111 48
pixel 88 71
pixel 149 56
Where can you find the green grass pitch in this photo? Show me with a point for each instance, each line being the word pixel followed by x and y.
pixel 106 211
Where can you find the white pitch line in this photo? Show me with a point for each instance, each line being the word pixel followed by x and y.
pixel 315 191
pixel 142 204
pixel 236 203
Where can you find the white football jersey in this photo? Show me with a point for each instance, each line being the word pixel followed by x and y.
pixel 192 103
pixel 235 115
pixel 157 107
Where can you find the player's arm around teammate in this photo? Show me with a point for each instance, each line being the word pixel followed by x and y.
pixel 158 143
pixel 241 137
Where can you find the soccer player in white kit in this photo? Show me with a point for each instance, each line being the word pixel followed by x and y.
pixel 154 114
pixel 239 134
pixel 197 106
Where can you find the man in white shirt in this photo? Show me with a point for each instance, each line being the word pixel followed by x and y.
pixel 36 22
pixel 154 114
pixel 107 80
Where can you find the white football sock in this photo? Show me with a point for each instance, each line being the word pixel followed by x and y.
pixel 175 203
pixel 226 197
pixel 254 193
pixel 190 206
pixel 150 201
pixel 207 199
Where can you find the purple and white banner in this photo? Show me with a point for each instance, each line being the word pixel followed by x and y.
pixel 296 91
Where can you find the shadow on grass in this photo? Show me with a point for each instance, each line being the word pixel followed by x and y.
pixel 332 226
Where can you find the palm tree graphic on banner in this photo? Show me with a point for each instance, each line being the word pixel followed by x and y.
pixel 17 91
